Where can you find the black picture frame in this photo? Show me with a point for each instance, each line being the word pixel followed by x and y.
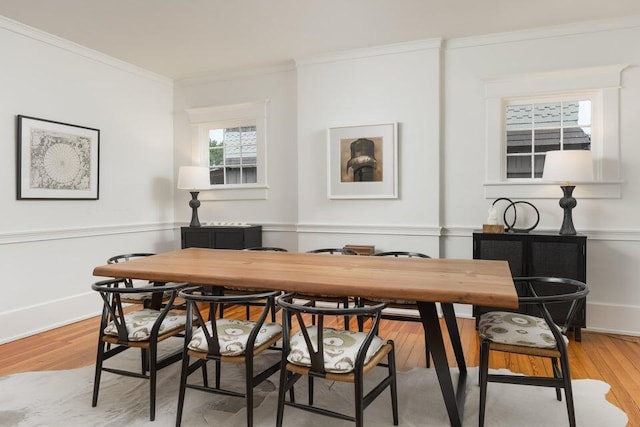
pixel 56 161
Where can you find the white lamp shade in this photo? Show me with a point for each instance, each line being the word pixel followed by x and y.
pixel 568 166
pixel 193 178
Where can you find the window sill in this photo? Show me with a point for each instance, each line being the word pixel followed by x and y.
pixel 537 190
pixel 235 192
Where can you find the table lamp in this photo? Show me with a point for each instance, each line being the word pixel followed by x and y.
pixel 194 179
pixel 567 167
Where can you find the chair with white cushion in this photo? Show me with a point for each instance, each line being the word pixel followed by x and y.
pixel 403 304
pixel 534 334
pixel 314 298
pixel 226 341
pixel 122 328
pixel 234 290
pixel 133 298
pixel 333 354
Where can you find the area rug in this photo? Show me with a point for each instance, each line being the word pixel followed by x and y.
pixel 63 398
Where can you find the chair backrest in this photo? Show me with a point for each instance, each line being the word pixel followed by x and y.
pixel 540 292
pixel 266 249
pixel 127 257
pixel 294 308
pixel 208 296
pixel 403 254
pixel 112 311
pixel 333 251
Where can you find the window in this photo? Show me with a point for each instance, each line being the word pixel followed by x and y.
pixel 233 155
pixel 535 127
pixel 528 115
pixel 231 140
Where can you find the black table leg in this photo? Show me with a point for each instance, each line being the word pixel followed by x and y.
pixel 452 400
pixel 156 297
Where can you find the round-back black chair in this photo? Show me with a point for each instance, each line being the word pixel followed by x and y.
pixel 143 329
pixel 266 249
pixel 345 301
pixel 403 304
pixel 333 251
pixel 332 354
pixel 233 290
pixel 226 340
pixel 534 333
pixel 133 298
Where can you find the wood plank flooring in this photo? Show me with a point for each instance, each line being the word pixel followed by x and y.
pixel 611 358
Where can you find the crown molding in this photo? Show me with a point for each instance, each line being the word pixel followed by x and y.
pixel 72 47
pixel 206 78
pixel 389 49
pixel 585 27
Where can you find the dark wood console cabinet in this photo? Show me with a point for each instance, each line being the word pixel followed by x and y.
pixel 221 237
pixel 538 254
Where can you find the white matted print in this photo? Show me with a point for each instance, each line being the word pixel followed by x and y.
pixel 363 162
pixel 57 160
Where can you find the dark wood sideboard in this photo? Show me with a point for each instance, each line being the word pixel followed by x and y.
pixel 221 237
pixel 538 254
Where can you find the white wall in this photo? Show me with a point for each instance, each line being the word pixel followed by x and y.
pixel 365 87
pixel 611 225
pixel 48 248
pixel 434 93
pixel 278 212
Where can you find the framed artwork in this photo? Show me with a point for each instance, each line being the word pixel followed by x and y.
pixel 363 162
pixel 56 160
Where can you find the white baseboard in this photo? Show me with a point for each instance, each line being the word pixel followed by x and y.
pixel 27 321
pixel 613 318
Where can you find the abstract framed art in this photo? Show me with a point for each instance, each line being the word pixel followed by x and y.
pixel 363 162
pixel 56 160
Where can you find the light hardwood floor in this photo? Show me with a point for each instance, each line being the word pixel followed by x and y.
pixel 611 358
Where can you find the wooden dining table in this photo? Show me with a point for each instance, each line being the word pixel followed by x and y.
pixel 425 280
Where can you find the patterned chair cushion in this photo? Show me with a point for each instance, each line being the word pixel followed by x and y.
pixel 233 336
pixel 139 324
pixel 143 296
pixel 516 329
pixel 340 348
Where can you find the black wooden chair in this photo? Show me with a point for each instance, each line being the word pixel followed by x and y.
pixel 314 298
pixel 143 328
pixel 133 298
pixel 534 334
pixel 333 355
pixel 402 304
pixel 225 340
pixel 232 290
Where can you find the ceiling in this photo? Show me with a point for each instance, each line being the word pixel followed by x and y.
pixel 191 38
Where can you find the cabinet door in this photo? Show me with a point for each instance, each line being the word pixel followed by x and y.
pixel 501 247
pixel 559 257
pixel 229 239
pixel 197 238
pixel 510 248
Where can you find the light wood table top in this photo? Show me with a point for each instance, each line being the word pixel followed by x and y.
pixel 479 282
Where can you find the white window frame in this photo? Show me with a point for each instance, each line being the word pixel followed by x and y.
pixel 595 125
pixel 202 120
pixel 599 84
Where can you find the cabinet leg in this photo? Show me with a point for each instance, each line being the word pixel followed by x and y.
pixel 577 333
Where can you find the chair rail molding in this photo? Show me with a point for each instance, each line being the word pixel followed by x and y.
pixel 623 235
pixel 406 230
pixel 80 232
